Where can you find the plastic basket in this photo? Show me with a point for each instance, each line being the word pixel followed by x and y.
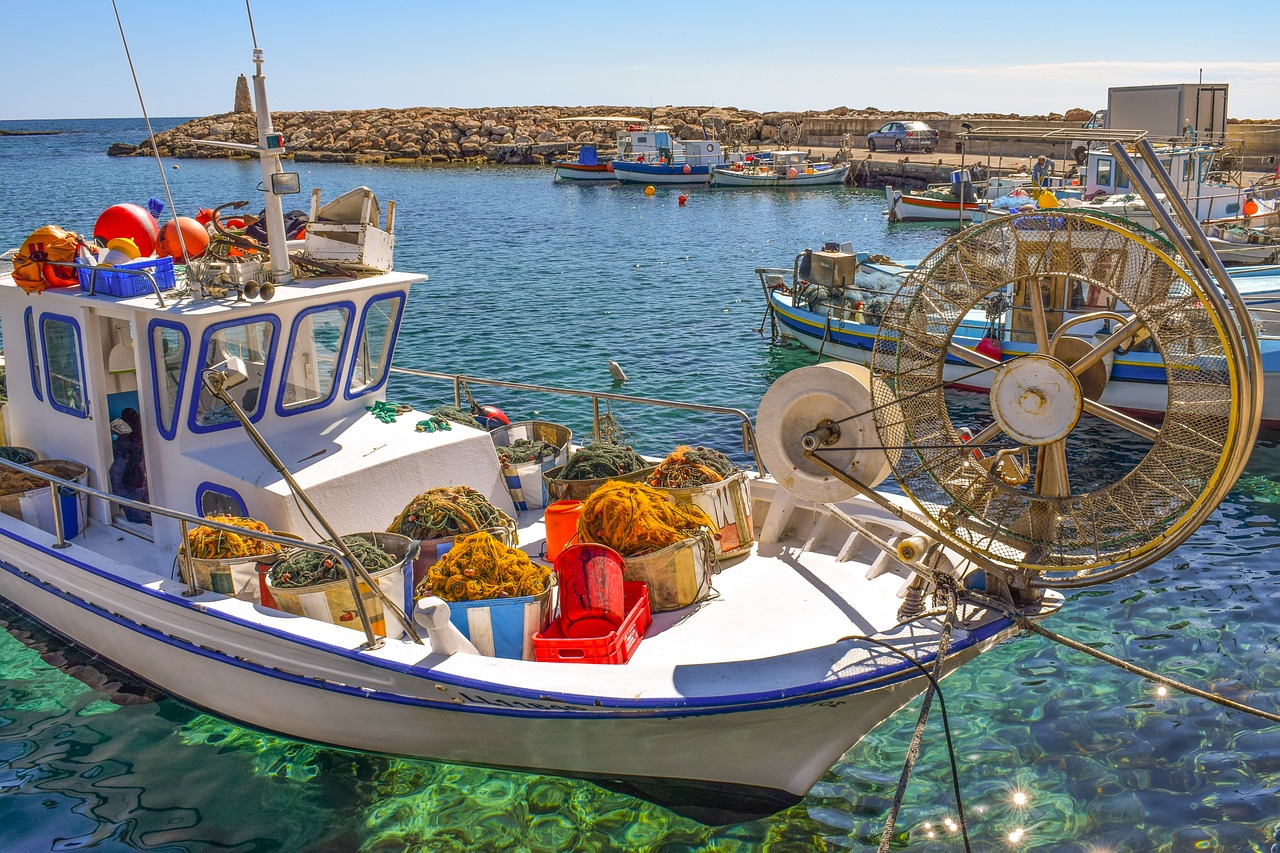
pixel 116 282
pixel 552 646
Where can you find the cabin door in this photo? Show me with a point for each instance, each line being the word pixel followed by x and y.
pixel 127 475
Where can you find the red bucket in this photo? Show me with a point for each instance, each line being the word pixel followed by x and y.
pixel 591 599
pixel 561 519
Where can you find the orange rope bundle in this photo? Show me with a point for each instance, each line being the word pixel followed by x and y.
pixel 686 466
pixel 632 518
pixel 209 543
pixel 478 567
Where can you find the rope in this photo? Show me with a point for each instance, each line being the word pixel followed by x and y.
pixel 913 751
pixel 450 511
pixel 311 568
pixel 479 567
pixel 691 466
pixel 632 519
pixel 1023 622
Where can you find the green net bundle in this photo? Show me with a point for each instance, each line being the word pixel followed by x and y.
pixel 685 467
pixel 601 460
pixel 450 511
pixel 458 416
pixel 527 450
pixel 312 568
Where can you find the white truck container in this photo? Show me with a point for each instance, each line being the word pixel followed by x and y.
pixel 1166 111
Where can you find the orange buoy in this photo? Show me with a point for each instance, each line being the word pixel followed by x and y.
pixel 204 215
pixel 791 173
pixel 234 222
pixel 194 237
pixel 129 220
pixel 649 190
pixel 1250 207
pixel 681 199
pixel 686 169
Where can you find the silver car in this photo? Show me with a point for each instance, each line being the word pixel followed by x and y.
pixel 903 136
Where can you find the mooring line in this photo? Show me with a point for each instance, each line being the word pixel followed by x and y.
pixel 1028 624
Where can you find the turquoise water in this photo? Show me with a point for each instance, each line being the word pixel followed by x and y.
pixel 540 282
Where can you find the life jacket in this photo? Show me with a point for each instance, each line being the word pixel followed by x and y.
pixel 31 268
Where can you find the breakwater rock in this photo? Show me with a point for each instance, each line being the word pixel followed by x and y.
pixel 498 134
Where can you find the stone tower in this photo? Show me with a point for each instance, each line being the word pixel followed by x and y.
pixel 244 104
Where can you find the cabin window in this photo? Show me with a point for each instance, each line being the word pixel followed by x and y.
pixel 254 341
pixel 1104 171
pixel 63 364
pixel 33 355
pixel 212 499
pixel 1122 180
pixel 374 347
pixel 315 356
pixel 169 345
pixel 1188 169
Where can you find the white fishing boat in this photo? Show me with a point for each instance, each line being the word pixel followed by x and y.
pixel 674 161
pixel 847 603
pixel 778 170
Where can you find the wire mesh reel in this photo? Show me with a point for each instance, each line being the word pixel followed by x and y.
pixel 1062 272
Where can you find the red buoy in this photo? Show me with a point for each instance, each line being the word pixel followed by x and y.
pixel 129 220
pixel 194 237
pixel 491 417
pixel 681 199
pixel 205 215
pixel 686 169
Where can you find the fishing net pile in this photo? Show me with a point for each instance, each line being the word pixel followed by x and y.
pixel 601 460
pixel 527 450
pixel 15 482
pixel 21 455
pixel 457 415
pixel 450 511
pixel 632 519
pixel 312 568
pixel 686 467
pixel 479 567
pixel 211 543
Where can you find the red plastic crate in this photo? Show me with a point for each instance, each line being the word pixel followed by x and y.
pixel 552 646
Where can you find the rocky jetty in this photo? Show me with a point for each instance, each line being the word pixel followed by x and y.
pixel 527 135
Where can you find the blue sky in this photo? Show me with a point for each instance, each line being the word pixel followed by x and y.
pixel 918 56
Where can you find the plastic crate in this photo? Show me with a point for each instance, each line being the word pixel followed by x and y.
pixel 122 284
pixel 552 646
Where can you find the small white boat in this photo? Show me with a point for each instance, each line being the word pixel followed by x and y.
pixel 778 169
pixel 672 162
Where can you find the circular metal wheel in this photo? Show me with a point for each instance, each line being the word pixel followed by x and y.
pixel 1073 291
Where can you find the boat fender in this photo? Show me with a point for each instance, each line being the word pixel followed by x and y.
pixel 432 615
pixel 490 417
pixel 991 348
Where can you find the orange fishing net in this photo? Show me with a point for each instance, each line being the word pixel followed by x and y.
pixel 479 567
pixel 687 466
pixel 210 543
pixel 632 518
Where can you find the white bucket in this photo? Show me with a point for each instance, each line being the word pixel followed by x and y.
pixel 35 507
pixel 728 503
pixel 333 603
pixel 524 479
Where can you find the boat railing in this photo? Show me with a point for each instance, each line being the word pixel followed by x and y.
pixel 58 487
pixel 461 382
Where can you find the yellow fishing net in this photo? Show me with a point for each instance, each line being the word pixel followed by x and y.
pixel 210 543
pixel 687 466
pixel 479 567
pixel 632 518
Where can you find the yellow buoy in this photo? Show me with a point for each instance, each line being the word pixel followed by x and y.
pixel 649 190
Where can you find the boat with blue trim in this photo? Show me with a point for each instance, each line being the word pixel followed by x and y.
pixel 675 161
pixel 253 384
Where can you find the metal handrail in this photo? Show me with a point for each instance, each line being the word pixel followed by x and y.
pixel 460 381
pixel 184 519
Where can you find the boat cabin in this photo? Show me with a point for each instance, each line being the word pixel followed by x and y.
pixel 1193 168
pixel 317 356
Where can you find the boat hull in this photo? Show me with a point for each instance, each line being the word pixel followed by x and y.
pixel 904 207
pixel 660 173
pixel 737 758
pixel 722 177
pixel 579 172
pixel 1137 382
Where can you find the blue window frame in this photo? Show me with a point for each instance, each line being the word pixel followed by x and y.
pixel 212 499
pixel 312 367
pixel 60 342
pixel 170 346
pixel 375 345
pixel 250 338
pixel 1104 171
pixel 33 354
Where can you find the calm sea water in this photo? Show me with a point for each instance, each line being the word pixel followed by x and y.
pixel 544 283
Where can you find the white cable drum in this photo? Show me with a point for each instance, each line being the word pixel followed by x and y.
pixel 805 399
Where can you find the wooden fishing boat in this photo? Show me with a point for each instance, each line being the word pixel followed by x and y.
pixel 778 170
pixel 848 602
